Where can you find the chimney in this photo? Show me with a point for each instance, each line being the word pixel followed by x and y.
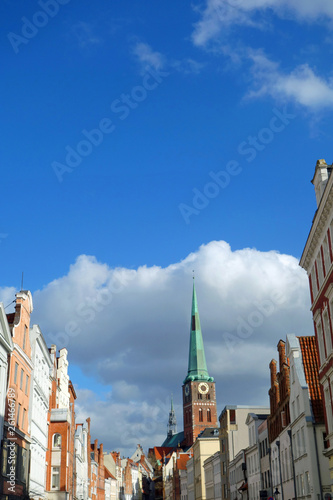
pixel 320 178
pixel 96 450
pixel 282 353
pixel 101 456
pixel 272 366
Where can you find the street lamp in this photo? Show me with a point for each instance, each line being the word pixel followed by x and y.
pixel 276 494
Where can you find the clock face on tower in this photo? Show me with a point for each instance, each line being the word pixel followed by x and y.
pixel 187 390
pixel 203 388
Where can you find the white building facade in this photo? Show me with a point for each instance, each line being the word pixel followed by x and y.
pixel 212 468
pixel 38 409
pixel 253 464
pixel 307 423
pixel 81 461
pixel 317 260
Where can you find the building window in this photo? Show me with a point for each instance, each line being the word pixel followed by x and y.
pixel 209 416
pixel 56 441
pixel 55 479
pixel 23 417
pixel 26 384
pixel 328 409
pixel 24 337
pixel 18 414
pixel 15 373
pixel 327 333
pixel 200 415
pixel 307 483
pixel 199 395
pixel 320 341
pixel 233 417
pixel 21 379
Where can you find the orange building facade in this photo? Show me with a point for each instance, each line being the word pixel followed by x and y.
pixel 16 442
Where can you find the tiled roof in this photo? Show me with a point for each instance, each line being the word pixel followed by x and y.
pixel 182 461
pixel 311 369
pixel 160 451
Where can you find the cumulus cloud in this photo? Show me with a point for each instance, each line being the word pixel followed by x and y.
pixel 129 328
pixel 217 15
pixel 301 86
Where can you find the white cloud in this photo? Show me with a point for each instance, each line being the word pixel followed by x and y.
pixel 146 56
pixel 301 86
pixel 130 329
pixel 217 15
pixel 84 35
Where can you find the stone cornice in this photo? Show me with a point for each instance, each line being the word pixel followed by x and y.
pixel 318 224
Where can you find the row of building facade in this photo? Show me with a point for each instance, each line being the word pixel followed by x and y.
pixel 256 452
pixel 45 453
pixel 284 451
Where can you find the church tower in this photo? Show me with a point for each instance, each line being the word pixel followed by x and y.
pixel 199 399
pixel 172 422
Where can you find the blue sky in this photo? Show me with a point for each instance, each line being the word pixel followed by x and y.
pixel 236 91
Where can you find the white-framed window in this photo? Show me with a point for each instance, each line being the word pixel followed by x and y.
pixel 55 478
pixel 320 269
pixel 303 441
pixel 320 341
pixel 328 407
pixel 307 483
pixel 314 282
pixel 56 442
pixel 327 333
pixel 327 259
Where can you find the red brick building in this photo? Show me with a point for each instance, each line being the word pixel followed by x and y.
pixel 279 393
pixel 98 471
pixel 16 443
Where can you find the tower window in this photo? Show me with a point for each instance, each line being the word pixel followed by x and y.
pixel 209 415
pixel 200 415
pixel 199 395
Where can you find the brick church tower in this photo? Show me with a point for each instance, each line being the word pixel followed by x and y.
pixel 199 400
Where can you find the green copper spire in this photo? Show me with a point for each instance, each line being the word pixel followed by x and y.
pixel 197 368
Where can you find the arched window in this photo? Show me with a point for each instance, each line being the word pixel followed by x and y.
pixel 56 441
pixel 200 415
pixel 209 415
